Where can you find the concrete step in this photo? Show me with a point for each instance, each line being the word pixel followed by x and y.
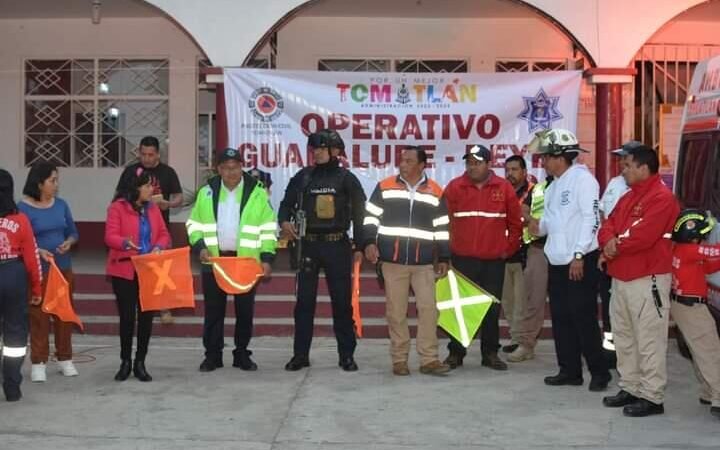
pixel 373 328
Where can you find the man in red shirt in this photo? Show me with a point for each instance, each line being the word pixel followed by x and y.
pixel 485 230
pixel 636 246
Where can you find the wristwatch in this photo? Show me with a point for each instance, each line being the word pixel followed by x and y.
pixel 578 256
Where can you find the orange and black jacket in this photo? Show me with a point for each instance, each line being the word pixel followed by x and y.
pixel 409 227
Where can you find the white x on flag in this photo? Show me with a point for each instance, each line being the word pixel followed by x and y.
pixel 462 306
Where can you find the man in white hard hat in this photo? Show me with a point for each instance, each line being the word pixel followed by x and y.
pixel 570 222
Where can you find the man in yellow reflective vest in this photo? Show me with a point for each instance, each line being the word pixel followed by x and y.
pixel 529 321
pixel 232 216
pixel 513 292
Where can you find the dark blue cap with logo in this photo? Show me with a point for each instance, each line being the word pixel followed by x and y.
pixel 228 154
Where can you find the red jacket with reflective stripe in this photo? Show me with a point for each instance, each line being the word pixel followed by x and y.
pixel 485 223
pixel 18 242
pixel 642 221
pixel 690 264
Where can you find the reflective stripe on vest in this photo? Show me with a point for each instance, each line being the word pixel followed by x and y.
pixel 537 206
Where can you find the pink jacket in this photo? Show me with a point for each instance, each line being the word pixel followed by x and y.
pixel 123 223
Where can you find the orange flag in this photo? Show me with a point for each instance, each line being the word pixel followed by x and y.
pixel 356 298
pixel 236 275
pixel 165 280
pixel 57 297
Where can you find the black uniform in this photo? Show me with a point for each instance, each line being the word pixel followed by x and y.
pixel 331 197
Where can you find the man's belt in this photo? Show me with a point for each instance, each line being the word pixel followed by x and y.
pixel 687 300
pixel 228 253
pixel 325 237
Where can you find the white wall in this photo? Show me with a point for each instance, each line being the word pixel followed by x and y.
pixel 304 40
pixel 611 30
pixel 688 32
pixel 89 190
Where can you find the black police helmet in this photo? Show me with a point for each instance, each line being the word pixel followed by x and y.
pixel 334 139
pixel 692 224
pixel 318 140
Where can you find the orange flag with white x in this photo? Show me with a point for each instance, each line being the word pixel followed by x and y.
pixel 165 280
pixel 57 297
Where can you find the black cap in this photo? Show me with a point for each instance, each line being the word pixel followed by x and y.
pixel 627 148
pixel 479 153
pixel 228 154
pixel 318 140
pixel 264 177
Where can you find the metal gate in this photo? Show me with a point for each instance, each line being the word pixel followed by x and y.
pixel 664 72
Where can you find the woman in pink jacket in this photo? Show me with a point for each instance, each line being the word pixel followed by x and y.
pixel 134 226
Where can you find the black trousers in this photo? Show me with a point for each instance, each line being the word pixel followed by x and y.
pixel 605 288
pixel 127 295
pixel 214 324
pixel 489 274
pixel 574 309
pixel 335 258
pixel 14 321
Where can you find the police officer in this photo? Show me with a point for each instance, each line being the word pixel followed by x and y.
pixel 330 197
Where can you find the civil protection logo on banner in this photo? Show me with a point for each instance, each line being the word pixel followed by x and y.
pixel 266 104
pixel 540 111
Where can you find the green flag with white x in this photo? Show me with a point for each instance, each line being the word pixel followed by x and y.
pixel 462 305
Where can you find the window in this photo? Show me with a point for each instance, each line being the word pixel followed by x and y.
pixel 93 112
pixel 431 66
pixel 530 66
pixel 694 159
pixel 714 193
pixel 354 65
pixel 396 65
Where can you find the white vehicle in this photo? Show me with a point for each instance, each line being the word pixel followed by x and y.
pixel 697 172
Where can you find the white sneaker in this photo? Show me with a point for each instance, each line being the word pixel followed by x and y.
pixel 67 368
pixel 37 373
pixel 522 353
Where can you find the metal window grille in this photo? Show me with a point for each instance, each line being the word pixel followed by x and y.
pixel 93 112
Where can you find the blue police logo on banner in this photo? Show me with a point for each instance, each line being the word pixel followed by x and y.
pixel 540 111
pixel 266 104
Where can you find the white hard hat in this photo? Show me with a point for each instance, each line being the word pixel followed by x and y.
pixel 555 142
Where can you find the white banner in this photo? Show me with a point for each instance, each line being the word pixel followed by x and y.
pixel 270 113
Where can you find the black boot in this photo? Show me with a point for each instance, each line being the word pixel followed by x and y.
pixel 242 360
pixel 454 360
pixel 347 363
pixel 140 372
pixel 124 372
pixel 12 393
pixel 622 398
pixel 297 363
pixel 643 408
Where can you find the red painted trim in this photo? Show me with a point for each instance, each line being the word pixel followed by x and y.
pixel 703 125
pixel 610 71
pixel 616 121
pixel 601 134
pixel 221 126
pixel 211 70
pixel 92 235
